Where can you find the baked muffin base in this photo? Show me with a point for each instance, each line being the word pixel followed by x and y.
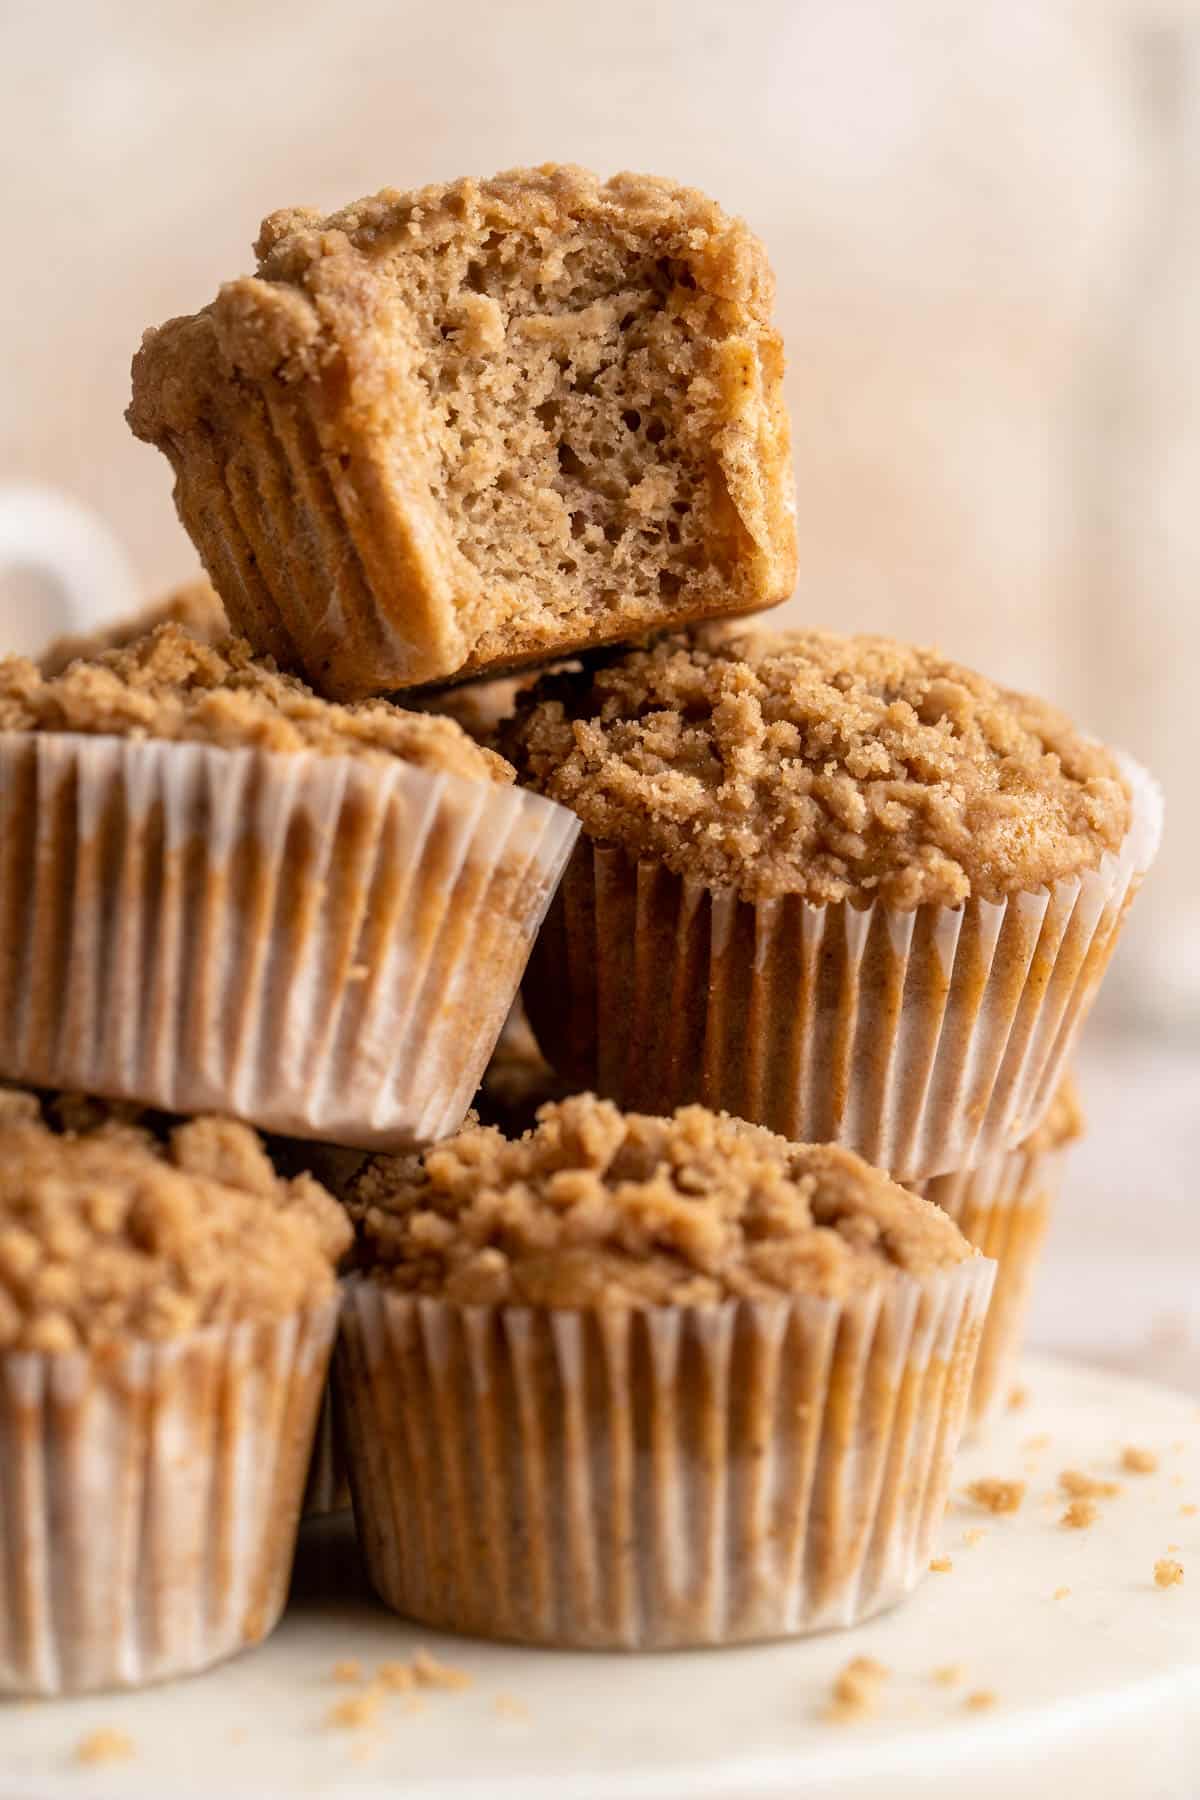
pixel 657 1478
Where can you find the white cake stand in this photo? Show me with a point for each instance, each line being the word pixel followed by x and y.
pixel 1096 1692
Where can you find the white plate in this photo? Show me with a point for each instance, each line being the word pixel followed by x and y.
pixel 1096 1693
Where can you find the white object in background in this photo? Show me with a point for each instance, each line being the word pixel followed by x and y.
pixel 61 568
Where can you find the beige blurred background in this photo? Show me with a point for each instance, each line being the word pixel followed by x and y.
pixel 985 221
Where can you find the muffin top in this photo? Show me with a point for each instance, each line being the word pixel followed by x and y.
pixel 594 1207
pixel 170 684
pixel 832 768
pixel 196 606
pixel 109 1231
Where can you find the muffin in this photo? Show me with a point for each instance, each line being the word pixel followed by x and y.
pixel 644 1383
pixel 1003 1206
pixel 167 1311
pixel 452 431
pixel 195 606
pixel 224 894
pixel 840 887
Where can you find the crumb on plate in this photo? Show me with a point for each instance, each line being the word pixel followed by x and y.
pixel 1087 1487
pixel 105 1745
pixel 1138 1461
pixel 1168 1573
pixel 1080 1514
pixel 996 1495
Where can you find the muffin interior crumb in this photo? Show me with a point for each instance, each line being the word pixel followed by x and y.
pixel 828 767
pixel 598 1207
pixel 172 685
pixel 108 1231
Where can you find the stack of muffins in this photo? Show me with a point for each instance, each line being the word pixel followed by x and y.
pixel 682 1356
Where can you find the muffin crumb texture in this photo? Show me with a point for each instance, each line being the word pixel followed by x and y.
pixel 827 767
pixel 109 1231
pixel 172 685
pixel 581 384
pixel 196 607
pixel 596 1207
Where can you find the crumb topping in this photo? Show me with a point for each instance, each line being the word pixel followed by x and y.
pixel 108 1232
pixel 596 1207
pixel 196 607
pixel 1080 1514
pixel 997 1496
pixel 1168 1573
pixel 169 684
pixel 829 767
pixel 1079 1486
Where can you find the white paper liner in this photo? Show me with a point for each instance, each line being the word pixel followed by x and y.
pixel 327 1489
pixel 149 1501
pixel 323 946
pixel 924 1040
pixel 1002 1207
pixel 659 1478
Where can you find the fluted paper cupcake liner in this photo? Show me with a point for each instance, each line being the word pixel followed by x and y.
pixel 149 1501
pixel 653 1479
pixel 324 946
pixel 1002 1206
pixel 924 1040
pixel 327 1489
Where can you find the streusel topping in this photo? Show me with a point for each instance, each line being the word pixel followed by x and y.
pixel 196 606
pixel 169 684
pixel 834 768
pixel 108 1231
pixel 596 1207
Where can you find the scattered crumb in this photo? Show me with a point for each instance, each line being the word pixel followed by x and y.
pixel 396 1677
pixel 996 1495
pixel 1171 1548
pixel 1138 1462
pixel 350 1669
pixel 1177 1481
pixel 980 1701
pixel 1189 1511
pixel 1087 1487
pixel 1017 1398
pixel 975 1536
pixel 1080 1514
pixel 109 1745
pixel 509 1707
pixel 1040 1442
pixel 1168 1573
pixel 356 1710
pixel 949 1675
pixel 430 1673
pixel 941 1565
pixel 1063 1593
pixel 855 1690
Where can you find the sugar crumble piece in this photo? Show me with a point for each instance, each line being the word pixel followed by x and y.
pixel 105 1745
pixel 1168 1573
pixel 1189 1511
pixel 1061 1593
pixel 982 1700
pixel 855 1692
pixel 429 1672
pixel 356 1710
pixel 1087 1487
pixel 949 1674
pixel 996 1495
pixel 349 1669
pixel 1080 1514
pixel 507 1706
pixel 1172 1548
pixel 1138 1461
pixel 396 1677
pixel 1041 1441
pixel 1018 1397
pixel 975 1536
pixel 941 1565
